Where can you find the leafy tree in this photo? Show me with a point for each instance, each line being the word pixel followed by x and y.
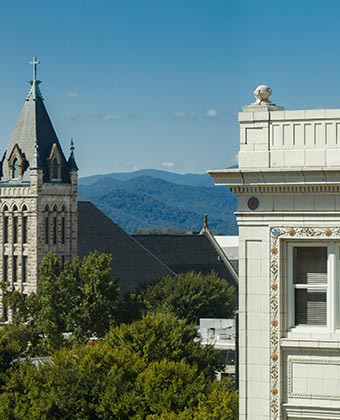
pixel 191 296
pixel 80 298
pixel 141 371
pixel 220 402
pixel 163 336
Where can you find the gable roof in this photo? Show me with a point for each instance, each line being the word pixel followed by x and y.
pixel 184 253
pixel 132 264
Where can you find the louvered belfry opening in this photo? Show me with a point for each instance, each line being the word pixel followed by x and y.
pixel 310 284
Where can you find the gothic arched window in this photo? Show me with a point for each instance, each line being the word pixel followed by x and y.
pixel 15 168
pixel 55 174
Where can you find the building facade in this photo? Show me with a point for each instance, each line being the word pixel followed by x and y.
pixel 38 197
pixel 288 185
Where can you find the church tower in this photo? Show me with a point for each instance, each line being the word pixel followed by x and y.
pixel 38 197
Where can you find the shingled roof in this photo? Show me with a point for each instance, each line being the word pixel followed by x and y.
pixel 34 136
pixel 184 253
pixel 132 264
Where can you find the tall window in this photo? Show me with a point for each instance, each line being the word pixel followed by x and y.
pixel 24 269
pixel 15 269
pixel 15 229
pixel 55 229
pixel 5 268
pixel 63 230
pixel 47 229
pixel 6 221
pixel 310 285
pixel 55 174
pixel 15 169
pixel 24 228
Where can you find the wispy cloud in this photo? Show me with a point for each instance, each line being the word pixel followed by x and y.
pixel 94 117
pixel 104 117
pixel 179 115
pixel 211 113
pixel 72 94
pixel 167 164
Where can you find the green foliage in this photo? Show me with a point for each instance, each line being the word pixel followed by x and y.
pixel 80 298
pixel 152 368
pixel 15 342
pixel 191 296
pixel 219 403
pixel 163 336
pixel 128 376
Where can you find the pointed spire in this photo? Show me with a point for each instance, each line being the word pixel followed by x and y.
pixel 36 157
pixel 34 91
pixel 71 160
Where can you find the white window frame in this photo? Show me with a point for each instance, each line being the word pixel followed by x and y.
pixel 332 288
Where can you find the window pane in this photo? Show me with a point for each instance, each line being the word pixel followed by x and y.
pixel 310 265
pixel 15 229
pixel 310 307
pixel 6 229
pixel 24 229
pixel 47 230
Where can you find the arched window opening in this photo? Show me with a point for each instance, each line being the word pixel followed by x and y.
pixel 24 229
pixel 47 229
pixel 55 171
pixel 15 229
pixel 6 223
pixel 15 168
pixel 63 230
pixel 5 268
pixel 24 269
pixel 54 229
pixel 15 269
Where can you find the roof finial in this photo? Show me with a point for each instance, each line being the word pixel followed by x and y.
pixel 72 145
pixel 34 91
pixel 71 160
pixel 205 221
pixel 34 63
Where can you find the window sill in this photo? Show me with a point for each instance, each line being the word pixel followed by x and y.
pixel 320 343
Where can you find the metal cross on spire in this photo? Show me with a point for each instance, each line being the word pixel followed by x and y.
pixel 34 91
pixel 34 63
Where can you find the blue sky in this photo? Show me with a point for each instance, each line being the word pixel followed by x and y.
pixel 158 83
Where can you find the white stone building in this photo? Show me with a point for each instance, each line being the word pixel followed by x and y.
pixel 288 186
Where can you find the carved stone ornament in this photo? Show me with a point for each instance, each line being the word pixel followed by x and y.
pixel 262 94
pixel 278 233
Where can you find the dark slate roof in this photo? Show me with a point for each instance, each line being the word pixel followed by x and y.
pixel 132 264
pixel 34 125
pixel 184 253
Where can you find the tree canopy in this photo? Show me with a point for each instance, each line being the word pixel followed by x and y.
pixel 151 368
pixel 140 371
pixel 190 296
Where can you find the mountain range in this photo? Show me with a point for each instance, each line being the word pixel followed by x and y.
pixel 152 199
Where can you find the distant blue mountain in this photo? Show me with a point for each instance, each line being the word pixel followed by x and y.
pixel 144 201
pixel 203 180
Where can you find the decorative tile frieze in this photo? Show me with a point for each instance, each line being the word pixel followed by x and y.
pixel 277 234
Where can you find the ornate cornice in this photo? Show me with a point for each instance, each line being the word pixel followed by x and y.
pixel 279 181
pixel 286 189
